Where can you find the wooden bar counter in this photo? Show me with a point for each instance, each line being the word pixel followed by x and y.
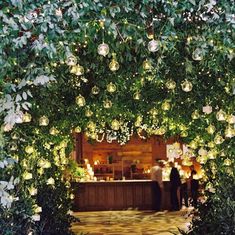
pixel 118 195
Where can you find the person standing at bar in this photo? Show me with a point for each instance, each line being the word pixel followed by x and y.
pixel 175 184
pixel 156 177
pixel 194 186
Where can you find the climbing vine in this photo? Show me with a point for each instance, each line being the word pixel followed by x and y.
pixel 111 69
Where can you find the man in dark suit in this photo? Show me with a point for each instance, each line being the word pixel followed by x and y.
pixel 175 184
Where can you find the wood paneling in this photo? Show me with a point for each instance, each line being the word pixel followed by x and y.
pixel 117 196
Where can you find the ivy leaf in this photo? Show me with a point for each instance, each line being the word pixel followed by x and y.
pixel 24 95
pixel 172 21
pixel 18 98
pixel 193 2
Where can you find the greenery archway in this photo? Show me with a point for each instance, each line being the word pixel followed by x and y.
pixel 169 71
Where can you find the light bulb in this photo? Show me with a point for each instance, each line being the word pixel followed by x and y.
pixel 153 45
pixel 230 119
pixel 111 87
pixel 166 106
pixel 137 96
pixel 29 149
pixel 227 162
pixel 79 70
pixel 186 86
pixel 78 129
pixel 170 84
pixel 107 104
pixel 147 65
pixel 113 65
pixel 53 131
pixel 197 54
pixel 43 121
pixel 27 117
pixel 71 60
pixel 13 146
pixel 218 139
pixel 221 115
pixel 15 135
pixel 95 90
pixel 103 49
pixel 229 132
pixel 210 129
pixel 88 113
pixel 91 126
pixel 80 100
pixel 115 125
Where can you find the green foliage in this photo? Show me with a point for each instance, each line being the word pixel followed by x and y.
pixel 36 39
pixel 54 217
pixel 75 171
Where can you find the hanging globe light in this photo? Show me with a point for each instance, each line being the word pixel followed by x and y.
pixel 27 117
pixel 91 126
pixel 153 45
pixel 197 54
pixel 15 135
pixel 212 154
pixel 73 70
pixel 202 152
pixel 137 96
pixel 184 134
pixel 80 100
pixel 113 65
pixel 13 146
pixel 227 162
pixel 95 90
pixel 115 125
pixel 166 105
pixel 211 129
pixel 195 115
pixel 103 49
pixel 221 115
pixel 229 132
pixel 218 139
pixel 193 144
pixel 79 70
pixel 147 65
pixel 170 84
pixel 107 104
pixel 93 135
pixel 71 60
pixel 230 119
pixel 211 144
pixel 53 131
pixel 29 149
pixel 111 88
pixel 160 131
pixel 43 121
pixel 78 129
pixel 88 113
pixel 154 112
pixel 186 86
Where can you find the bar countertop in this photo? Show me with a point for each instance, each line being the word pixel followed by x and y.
pixel 114 181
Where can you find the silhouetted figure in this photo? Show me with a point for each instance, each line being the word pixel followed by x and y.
pixel 175 184
pixel 184 193
pixel 156 177
pixel 194 187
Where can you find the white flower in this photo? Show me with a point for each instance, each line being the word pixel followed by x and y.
pixel 37 209
pixel 207 109
pixel 36 217
pixel 27 175
pixel 50 181
pixel 33 191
